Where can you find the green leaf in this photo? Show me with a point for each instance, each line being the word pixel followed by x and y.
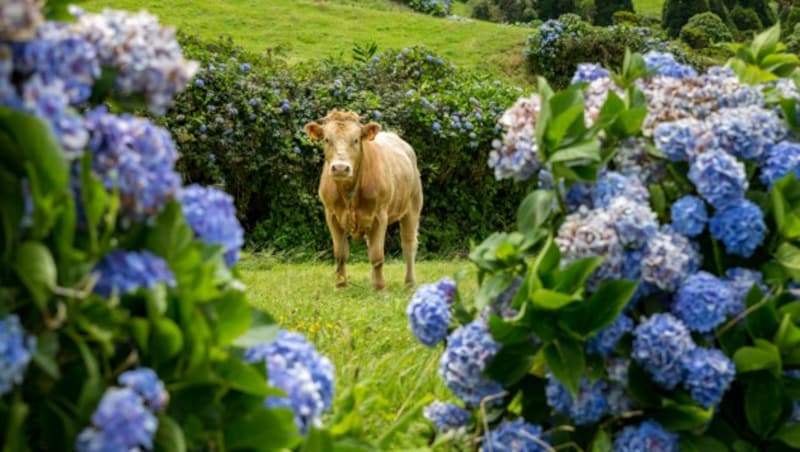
pixel 246 378
pixel 587 150
pixel 676 417
pixel 12 210
pixel 788 336
pixel 233 317
pixel 169 437
pixel 693 443
pixel 508 332
pixel 628 123
pixel 166 340
pixel 763 321
pixel 551 300
pixel 46 352
pixel 789 435
pixel 600 310
pixel 766 42
pixel 36 269
pixel 562 121
pixel 571 280
pixel 262 430
pixel 140 330
pixel 15 434
pixel 511 363
pixel 262 329
pixel 764 356
pixel 546 263
pixel 565 360
pixel 534 210
pixel 492 288
pixel 763 399
pixel 642 387
pixel 789 256
pixel 601 442
pixel 318 440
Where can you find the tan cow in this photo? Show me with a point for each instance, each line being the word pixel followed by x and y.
pixel 369 180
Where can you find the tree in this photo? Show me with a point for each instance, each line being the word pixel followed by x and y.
pixel 551 9
pixel 605 9
pixel 719 8
pixel 762 8
pixel 676 14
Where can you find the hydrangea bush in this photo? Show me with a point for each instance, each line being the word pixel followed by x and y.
pixel 433 7
pixel 123 325
pixel 647 300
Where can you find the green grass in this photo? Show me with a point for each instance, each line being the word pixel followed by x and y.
pixel 313 29
pixel 648 7
pixel 365 334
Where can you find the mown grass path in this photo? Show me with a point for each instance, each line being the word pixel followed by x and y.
pixel 364 333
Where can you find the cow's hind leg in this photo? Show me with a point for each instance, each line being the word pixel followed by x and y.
pixel 341 248
pixel 409 226
pixel 376 239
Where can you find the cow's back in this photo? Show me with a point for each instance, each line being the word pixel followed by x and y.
pixel 400 173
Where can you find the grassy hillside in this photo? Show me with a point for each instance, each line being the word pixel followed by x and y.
pixel 311 29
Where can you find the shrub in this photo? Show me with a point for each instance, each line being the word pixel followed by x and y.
pixel 705 29
pixel 550 9
pixel 762 8
pixel 432 7
pixel 486 10
pixel 633 307
pixel 556 48
pixel 719 8
pixel 244 130
pixel 793 41
pixel 604 10
pixel 791 21
pixel 511 11
pixel 676 13
pixel 626 18
pixel 122 322
pixel 746 19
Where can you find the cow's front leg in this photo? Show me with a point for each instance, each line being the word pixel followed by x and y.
pixel 341 248
pixel 375 242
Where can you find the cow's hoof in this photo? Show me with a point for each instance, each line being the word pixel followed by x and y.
pixel 378 286
pixel 341 281
pixel 411 284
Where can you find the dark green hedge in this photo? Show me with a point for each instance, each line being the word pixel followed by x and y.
pixel 242 127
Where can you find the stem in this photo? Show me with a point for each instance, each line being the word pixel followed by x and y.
pixel 717 256
pixel 742 315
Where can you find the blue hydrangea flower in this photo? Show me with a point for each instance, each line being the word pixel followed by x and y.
pixel 446 416
pixel 517 154
pixel 16 350
pixel 702 302
pixel 147 384
pixel 429 311
pixel 740 281
pixel 689 216
pixel 138 157
pixel 588 72
pixel 618 400
pixel 781 159
pixel 122 272
pixel 58 54
pixel 632 271
pixel 605 341
pixel 212 215
pixel 121 422
pixel 469 350
pixel 719 178
pixel 578 194
pixel 294 351
pixel 517 436
pixel 665 64
pixel 633 160
pixel 302 393
pixel 635 222
pixel 649 436
pixel 746 132
pixel 613 184
pixel 668 258
pixel 707 375
pixel 681 140
pixel 49 102
pixel 659 344
pixel 740 227
pixel 245 67
pixel 590 405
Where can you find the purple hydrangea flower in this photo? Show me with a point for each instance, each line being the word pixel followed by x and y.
pixel 429 311
pixel 16 350
pixel 719 177
pixel 659 344
pixel 746 132
pixel 587 233
pixel 668 258
pixel 147 384
pixel 122 272
pixel 517 436
pixel 702 302
pixel 689 216
pixel 469 350
pixel 517 154
pixel 740 281
pixel 588 72
pixel 740 227
pixel 664 64
pixel 707 375
pixel 49 101
pixel 446 416
pixel 681 140
pixel 292 351
pixel 121 422
pixel 590 405
pixel 635 222
pixel 212 215
pixel 781 159
pixel 605 341
pixel 136 156
pixel 648 436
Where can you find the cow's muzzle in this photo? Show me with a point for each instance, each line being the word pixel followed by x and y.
pixel 341 169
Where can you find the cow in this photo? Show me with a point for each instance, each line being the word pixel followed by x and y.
pixel 369 180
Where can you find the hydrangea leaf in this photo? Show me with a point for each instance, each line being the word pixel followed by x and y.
pixel 565 360
pixel 763 398
pixel 678 417
pixel 600 310
pixel 169 437
pixel 762 322
pixel 764 356
pixel 262 430
pixel 601 442
pixel 46 351
pixel 551 300
pixel 692 443
pixel 788 336
pixel 167 339
pixel 233 316
pixel 245 378
pixel 511 363
pixel 11 211
pixel 534 211
pixel 36 268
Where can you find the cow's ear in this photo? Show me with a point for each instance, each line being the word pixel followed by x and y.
pixel 369 131
pixel 314 131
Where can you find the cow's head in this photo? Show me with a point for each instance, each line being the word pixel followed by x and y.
pixel 342 134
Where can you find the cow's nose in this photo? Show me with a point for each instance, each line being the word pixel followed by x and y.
pixel 340 169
